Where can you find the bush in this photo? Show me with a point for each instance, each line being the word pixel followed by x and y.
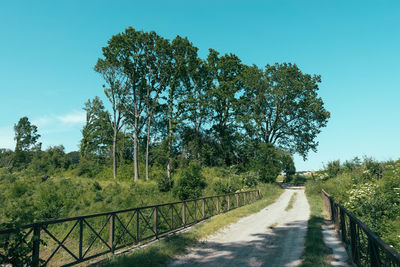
pixel 226 186
pixel 250 179
pixel 333 168
pixel 190 183
pixel 164 183
pixel 267 163
pixel 374 168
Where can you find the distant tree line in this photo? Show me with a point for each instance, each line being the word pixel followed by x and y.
pixel 168 107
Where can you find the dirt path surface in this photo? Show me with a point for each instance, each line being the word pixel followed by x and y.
pixel 271 237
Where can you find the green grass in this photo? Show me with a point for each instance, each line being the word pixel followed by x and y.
pixel 316 252
pixel 160 252
pixel 291 202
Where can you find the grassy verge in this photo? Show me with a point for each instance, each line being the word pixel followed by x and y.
pixel 316 252
pixel 158 253
pixel 291 202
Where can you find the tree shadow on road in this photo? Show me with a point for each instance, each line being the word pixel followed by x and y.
pixel 281 246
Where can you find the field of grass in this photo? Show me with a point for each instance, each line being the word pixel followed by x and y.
pixel 160 252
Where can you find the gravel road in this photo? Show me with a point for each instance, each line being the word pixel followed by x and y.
pixel 271 237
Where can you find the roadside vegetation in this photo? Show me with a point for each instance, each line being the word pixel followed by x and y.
pixel 369 189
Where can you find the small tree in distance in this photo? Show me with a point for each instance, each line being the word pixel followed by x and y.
pixel 26 138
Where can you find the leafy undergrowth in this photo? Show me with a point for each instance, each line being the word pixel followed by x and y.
pixel 370 190
pixel 160 252
pixel 27 197
pixel 316 252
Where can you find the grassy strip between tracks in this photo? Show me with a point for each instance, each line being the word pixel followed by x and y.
pixel 316 252
pixel 291 202
pixel 160 252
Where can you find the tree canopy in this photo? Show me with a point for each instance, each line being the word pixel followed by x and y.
pixel 165 107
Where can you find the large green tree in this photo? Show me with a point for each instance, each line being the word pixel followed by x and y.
pixel 195 106
pixel 280 106
pixel 116 91
pixel 140 55
pixel 184 60
pixel 226 71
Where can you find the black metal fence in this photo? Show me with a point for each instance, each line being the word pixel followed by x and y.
pixel 66 242
pixel 365 247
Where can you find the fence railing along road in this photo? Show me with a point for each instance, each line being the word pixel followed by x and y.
pixel 366 248
pixel 65 242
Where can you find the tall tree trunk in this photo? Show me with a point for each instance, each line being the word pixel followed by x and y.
pixel 147 147
pixel 114 153
pixel 169 148
pixel 135 151
pixel 170 110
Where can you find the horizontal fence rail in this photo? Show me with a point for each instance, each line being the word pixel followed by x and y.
pixel 365 247
pixel 66 242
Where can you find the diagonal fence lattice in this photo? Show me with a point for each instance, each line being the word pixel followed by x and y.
pixel 66 242
pixel 364 246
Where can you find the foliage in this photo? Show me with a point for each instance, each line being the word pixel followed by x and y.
pixel 164 183
pixel 266 162
pixel 250 179
pixel 280 105
pixel 287 165
pixel 226 186
pixel 370 190
pixel 26 138
pixel 17 247
pixel 190 183
pixel 26 135
pixel 333 168
pixel 96 136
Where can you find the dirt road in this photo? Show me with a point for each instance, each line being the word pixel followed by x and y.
pixel 271 237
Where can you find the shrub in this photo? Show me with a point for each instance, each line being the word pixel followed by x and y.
pixel 190 183
pixel 374 168
pixel 164 183
pixel 250 179
pixel 333 168
pixel 226 186
pixel 267 163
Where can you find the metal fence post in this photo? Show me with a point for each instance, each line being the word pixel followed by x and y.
pixel 373 253
pixel 342 225
pixel 172 216
pixel 237 200
pixel 337 215
pixel 184 213
pixel 36 245
pixel 203 210
pixel 137 226
pixel 355 253
pixel 80 238
pixel 112 229
pixel 229 202
pixel 155 221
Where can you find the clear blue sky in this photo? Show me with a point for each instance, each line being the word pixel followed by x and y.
pixel 48 50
